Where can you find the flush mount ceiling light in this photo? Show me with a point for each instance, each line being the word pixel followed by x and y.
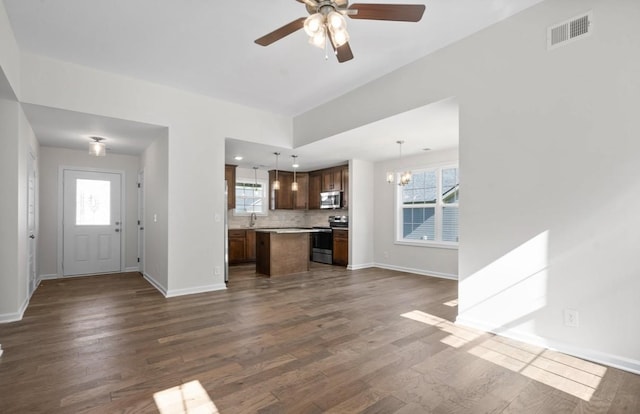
pixel 294 184
pixel 326 23
pixel 405 177
pixel 238 158
pixel 276 182
pixel 97 147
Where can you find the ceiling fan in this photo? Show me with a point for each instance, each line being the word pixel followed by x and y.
pixel 326 23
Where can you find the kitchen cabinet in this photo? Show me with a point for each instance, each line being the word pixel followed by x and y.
pixel 315 187
pixel 242 246
pixel 340 247
pixel 345 187
pixel 230 177
pixel 332 179
pixel 284 198
pixel 250 247
pixel 301 197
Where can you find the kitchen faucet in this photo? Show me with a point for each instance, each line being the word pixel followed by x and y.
pixel 252 220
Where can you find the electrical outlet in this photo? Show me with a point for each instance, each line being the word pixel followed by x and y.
pixel 217 270
pixel 571 318
pixel 386 255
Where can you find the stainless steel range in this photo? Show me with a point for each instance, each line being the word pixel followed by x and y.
pixel 322 240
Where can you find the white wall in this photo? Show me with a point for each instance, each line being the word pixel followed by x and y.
pixel 156 197
pixel 11 300
pixel 361 219
pixel 51 159
pixel 548 170
pixel 434 261
pixel 9 53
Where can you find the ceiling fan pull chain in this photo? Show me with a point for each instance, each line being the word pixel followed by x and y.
pixel 326 47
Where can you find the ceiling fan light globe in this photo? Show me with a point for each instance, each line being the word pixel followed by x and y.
pixel 336 21
pixel 319 39
pixel 314 24
pixel 340 37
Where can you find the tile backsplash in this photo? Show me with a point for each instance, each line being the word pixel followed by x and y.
pixel 287 218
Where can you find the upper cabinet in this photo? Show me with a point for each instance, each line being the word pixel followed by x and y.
pixel 345 186
pixel 310 185
pixel 315 187
pixel 301 197
pixel 285 198
pixel 230 177
pixel 332 179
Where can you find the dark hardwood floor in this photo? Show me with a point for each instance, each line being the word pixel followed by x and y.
pixel 329 340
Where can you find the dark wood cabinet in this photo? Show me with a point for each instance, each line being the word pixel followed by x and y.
pixel 341 247
pixel 284 198
pixel 242 246
pixel 301 197
pixel 332 179
pixel 230 177
pixel 315 187
pixel 345 187
pixel 250 245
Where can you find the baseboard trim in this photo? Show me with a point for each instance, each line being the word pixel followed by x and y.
pixel 615 361
pixel 171 293
pixel 48 277
pixel 15 316
pixel 155 284
pixel 417 271
pixel 131 269
pixel 361 266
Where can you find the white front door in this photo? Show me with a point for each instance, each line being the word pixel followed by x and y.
pixel 92 223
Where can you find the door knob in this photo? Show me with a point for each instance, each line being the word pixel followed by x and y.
pixel 117 230
pixel 32 236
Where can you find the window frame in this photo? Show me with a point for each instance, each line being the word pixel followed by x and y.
pixel 439 206
pixel 265 196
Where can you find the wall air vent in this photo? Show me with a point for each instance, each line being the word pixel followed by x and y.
pixel 570 30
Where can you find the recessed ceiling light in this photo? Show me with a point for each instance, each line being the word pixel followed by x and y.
pixel 238 158
pixel 426 149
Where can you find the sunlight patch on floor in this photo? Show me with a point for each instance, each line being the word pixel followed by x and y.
pixel 459 335
pixel 562 372
pixel 452 303
pixel 188 398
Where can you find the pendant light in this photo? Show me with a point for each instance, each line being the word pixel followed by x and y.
pixel 405 177
pixel 255 179
pixel 97 147
pixel 276 183
pixel 294 184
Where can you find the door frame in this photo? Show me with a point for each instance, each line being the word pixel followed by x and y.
pixel 32 167
pixel 123 217
pixel 141 209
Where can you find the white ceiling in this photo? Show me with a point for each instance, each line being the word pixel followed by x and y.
pixel 68 129
pixel 207 47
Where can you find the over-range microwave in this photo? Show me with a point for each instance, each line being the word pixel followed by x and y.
pixel 331 199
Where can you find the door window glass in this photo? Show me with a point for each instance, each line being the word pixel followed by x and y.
pixel 93 202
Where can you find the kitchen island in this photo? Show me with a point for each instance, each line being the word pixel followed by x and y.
pixel 282 251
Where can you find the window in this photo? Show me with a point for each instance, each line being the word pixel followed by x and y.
pixel 250 197
pixel 428 207
pixel 93 202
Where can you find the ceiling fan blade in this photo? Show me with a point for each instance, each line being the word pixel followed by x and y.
pixel 311 3
pixel 343 53
pixel 395 12
pixel 278 34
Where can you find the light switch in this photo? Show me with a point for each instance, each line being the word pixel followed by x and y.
pixel 155 218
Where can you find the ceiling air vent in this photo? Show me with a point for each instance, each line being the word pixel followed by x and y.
pixel 570 30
